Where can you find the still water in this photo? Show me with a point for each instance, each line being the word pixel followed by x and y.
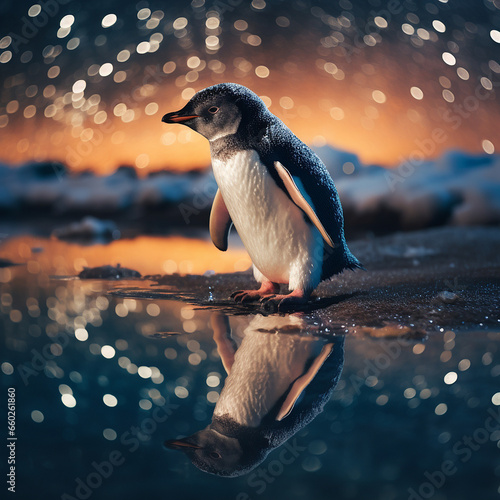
pixel 119 395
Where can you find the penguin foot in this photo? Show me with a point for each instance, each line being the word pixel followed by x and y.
pixel 285 302
pixel 267 289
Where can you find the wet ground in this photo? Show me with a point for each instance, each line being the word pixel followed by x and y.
pixel 419 282
pixel 381 387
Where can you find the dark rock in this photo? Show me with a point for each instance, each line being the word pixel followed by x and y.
pixel 7 263
pixel 108 273
pixel 127 171
pixel 43 170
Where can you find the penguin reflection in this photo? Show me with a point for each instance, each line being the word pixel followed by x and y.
pixel 279 380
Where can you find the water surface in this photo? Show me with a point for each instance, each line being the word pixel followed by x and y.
pixel 103 381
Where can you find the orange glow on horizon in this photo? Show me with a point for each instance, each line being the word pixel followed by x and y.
pixel 319 109
pixel 407 84
pixel 379 133
pixel 148 255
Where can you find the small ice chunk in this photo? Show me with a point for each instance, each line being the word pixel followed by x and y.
pixel 447 297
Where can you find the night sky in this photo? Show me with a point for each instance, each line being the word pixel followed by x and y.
pixel 86 83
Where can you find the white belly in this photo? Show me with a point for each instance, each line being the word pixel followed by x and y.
pixel 283 247
pixel 265 365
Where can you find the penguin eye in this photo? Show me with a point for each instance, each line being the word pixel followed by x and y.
pixel 214 454
pixel 213 110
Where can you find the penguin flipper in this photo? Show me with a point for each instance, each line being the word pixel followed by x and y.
pixel 300 199
pixel 226 345
pixel 302 382
pixel 220 222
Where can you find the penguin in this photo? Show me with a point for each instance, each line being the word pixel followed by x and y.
pixel 279 380
pixel 275 191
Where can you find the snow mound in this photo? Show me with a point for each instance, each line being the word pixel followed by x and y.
pixel 456 189
pixel 89 228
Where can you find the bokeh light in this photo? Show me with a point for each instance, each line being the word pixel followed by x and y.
pixel 320 67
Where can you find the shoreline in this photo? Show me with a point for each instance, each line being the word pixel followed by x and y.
pixel 406 273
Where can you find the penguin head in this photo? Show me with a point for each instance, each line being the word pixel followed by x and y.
pixel 220 110
pixel 217 453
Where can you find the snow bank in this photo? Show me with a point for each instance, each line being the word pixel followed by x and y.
pixel 456 189
pixel 89 228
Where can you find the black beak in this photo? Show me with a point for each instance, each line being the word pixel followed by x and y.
pixel 176 117
pixel 180 444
